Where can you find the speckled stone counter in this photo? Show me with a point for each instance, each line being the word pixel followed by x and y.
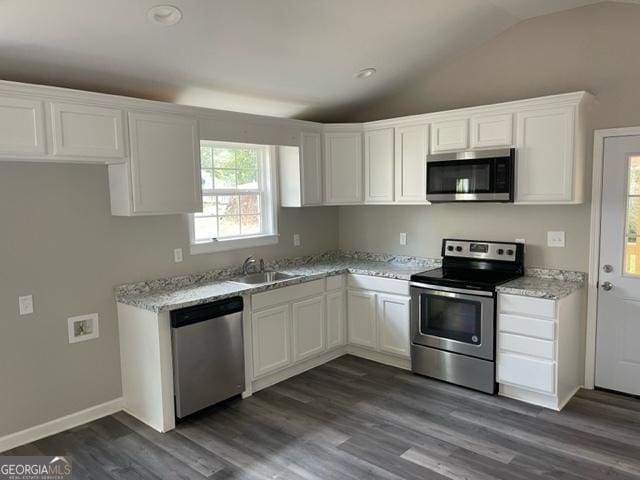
pixel 544 283
pixel 188 290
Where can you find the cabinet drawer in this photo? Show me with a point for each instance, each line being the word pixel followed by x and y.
pixel 526 346
pixel 286 294
pixel 527 372
pixel 533 327
pixel 380 284
pixel 335 282
pixel 529 306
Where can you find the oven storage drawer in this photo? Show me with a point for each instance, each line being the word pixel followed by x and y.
pixel 532 327
pixel 531 373
pixel 527 346
pixel 529 306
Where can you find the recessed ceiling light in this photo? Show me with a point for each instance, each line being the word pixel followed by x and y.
pixel 366 72
pixel 165 15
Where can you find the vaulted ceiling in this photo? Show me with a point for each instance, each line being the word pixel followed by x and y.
pixel 276 57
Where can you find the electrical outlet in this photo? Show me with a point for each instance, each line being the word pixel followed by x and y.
pixel 25 304
pixel 177 255
pixel 296 239
pixel 555 239
pixel 403 238
pixel 83 327
pixel 521 240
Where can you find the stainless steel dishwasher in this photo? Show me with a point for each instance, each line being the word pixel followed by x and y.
pixel 208 354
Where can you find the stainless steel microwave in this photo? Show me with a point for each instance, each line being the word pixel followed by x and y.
pixel 473 176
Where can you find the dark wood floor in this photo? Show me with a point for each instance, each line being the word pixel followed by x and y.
pixel 354 419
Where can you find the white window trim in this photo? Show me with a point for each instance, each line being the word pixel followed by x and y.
pixel 270 207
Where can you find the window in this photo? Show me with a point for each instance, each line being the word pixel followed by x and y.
pixel 237 197
pixel 632 234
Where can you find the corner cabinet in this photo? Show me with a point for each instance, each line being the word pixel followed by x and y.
pixel 411 148
pixel 301 172
pixel 378 166
pixel 343 168
pixel 163 174
pixel 549 156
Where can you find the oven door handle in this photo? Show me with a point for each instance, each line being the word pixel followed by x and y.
pixel 480 293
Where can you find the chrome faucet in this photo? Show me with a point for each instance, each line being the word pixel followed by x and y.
pixel 250 260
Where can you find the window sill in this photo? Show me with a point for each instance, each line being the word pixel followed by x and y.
pixel 234 244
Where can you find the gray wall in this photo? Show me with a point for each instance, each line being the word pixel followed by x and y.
pixel 60 243
pixel 592 48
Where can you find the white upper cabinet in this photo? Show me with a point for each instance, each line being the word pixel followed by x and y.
pixel 451 135
pixel 546 159
pixel 379 166
pixel 22 127
pixel 163 175
pixel 301 172
pixel 343 167
pixel 489 131
pixel 411 148
pixel 87 131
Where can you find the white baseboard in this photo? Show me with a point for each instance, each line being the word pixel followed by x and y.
pixel 58 425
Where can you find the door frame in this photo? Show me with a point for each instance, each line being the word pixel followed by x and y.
pixel 599 137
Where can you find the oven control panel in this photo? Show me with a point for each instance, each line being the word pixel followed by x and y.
pixel 480 250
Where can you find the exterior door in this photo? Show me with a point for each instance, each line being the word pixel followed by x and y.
pixel 618 325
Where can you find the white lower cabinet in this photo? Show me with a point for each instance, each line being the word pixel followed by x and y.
pixel 336 327
pixel 361 307
pixel 271 339
pixel 308 328
pixel 540 348
pixel 393 323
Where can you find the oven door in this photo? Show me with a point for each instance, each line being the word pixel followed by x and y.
pixel 454 320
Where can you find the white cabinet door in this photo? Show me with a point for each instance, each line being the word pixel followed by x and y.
pixel 335 319
pixel 545 156
pixel 450 135
pixel 361 308
pixel 271 339
pixel 378 166
pixel 22 129
pixel 308 328
pixel 411 148
pixel 165 163
pixel 492 131
pixel 87 131
pixel 531 373
pixel 393 324
pixel 343 167
pixel 311 166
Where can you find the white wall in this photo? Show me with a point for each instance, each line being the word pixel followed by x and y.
pixel 60 243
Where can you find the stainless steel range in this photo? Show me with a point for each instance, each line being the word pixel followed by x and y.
pixel 453 311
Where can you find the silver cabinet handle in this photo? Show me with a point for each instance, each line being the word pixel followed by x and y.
pixel 607 269
pixel 606 286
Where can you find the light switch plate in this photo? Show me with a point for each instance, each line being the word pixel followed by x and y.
pixel 403 238
pixel 555 239
pixel 177 255
pixel 296 239
pixel 83 327
pixel 25 304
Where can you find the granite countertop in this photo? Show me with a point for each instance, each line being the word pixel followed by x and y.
pixel 544 283
pixel 179 292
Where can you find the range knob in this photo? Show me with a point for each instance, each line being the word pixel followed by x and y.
pixel 458 248
pixel 510 252
pixel 450 248
pixel 500 251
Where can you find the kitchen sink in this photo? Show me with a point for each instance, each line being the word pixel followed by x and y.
pixel 263 277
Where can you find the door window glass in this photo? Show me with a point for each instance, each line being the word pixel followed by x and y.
pixel 632 242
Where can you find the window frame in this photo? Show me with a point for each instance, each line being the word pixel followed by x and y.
pixel 268 205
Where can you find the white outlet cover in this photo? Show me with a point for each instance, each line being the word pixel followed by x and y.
pixel 555 239
pixel 177 255
pixel 403 238
pixel 296 239
pixel 93 330
pixel 25 304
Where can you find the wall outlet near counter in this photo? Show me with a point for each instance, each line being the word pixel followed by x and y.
pixel 296 239
pixel 555 239
pixel 177 255
pixel 83 327
pixel 403 238
pixel 25 304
